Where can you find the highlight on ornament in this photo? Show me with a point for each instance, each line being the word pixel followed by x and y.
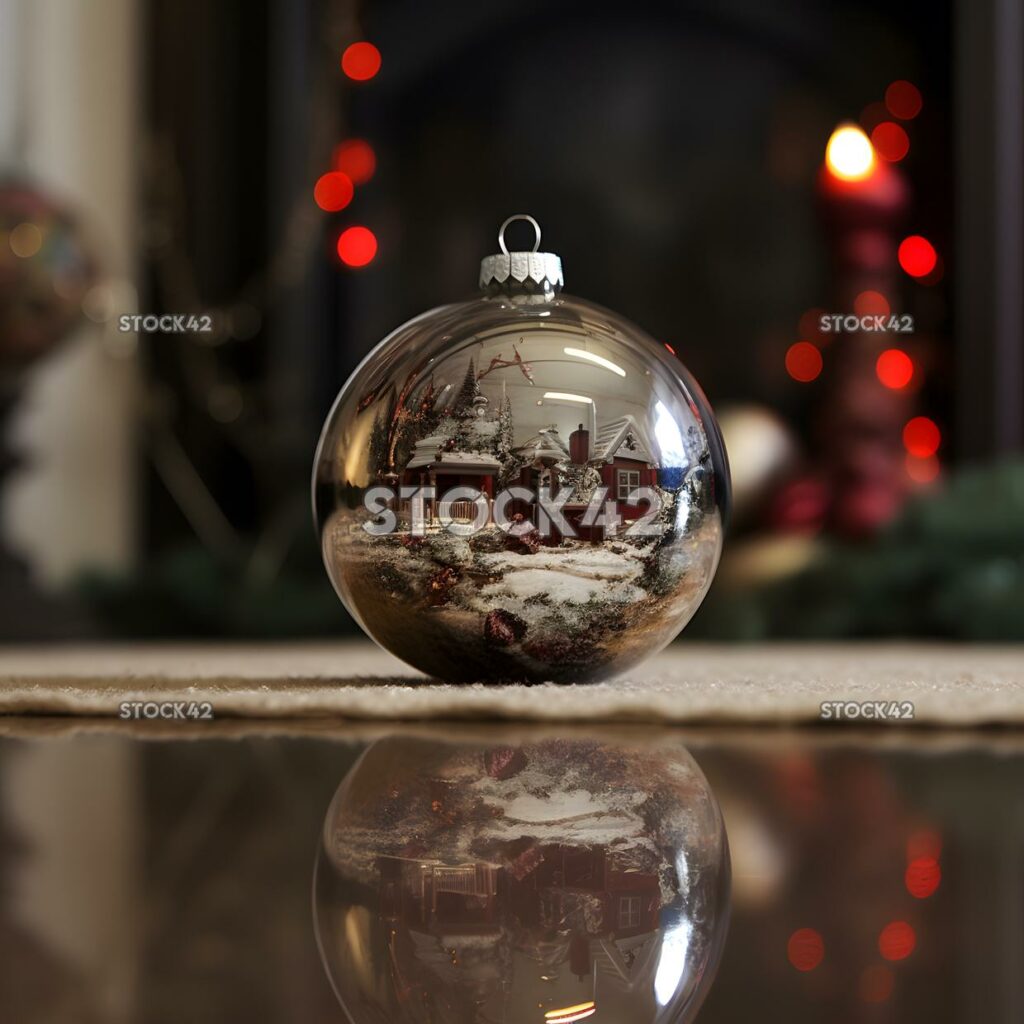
pixel 522 486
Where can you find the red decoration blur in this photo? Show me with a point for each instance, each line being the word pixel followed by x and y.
pixel 903 99
pixel 895 368
pixel 333 191
pixel 890 141
pixel 921 437
pixel 805 949
pixel 803 362
pixel 917 256
pixel 922 877
pixel 897 940
pixel 357 246
pixel 361 61
pixel 356 158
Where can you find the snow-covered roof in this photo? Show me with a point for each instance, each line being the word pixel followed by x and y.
pixel 465 461
pixel 619 434
pixel 545 444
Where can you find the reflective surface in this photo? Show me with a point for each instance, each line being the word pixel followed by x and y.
pixel 157 880
pixel 496 403
pixel 551 881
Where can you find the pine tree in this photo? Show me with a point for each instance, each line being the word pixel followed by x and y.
pixel 503 438
pixel 467 393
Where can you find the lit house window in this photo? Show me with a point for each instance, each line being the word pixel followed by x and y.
pixel 629 481
pixel 629 911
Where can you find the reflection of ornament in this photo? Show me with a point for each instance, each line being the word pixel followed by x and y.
pixel 46 269
pixel 514 882
pixel 577 488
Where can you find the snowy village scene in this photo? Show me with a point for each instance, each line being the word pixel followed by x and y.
pixel 540 514
pixel 510 883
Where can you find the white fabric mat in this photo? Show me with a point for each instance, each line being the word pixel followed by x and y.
pixel 689 683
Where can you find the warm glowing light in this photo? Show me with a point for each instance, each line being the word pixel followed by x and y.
pixel 805 949
pixel 356 158
pixel 803 362
pixel 581 1015
pixel 903 100
pixel 871 303
pixel 589 1005
pixel 922 471
pixel 921 437
pixel 917 256
pixel 890 141
pixel 671 350
pixel 571 1013
pixel 876 984
pixel 565 397
pixel 333 191
pixel 922 877
pixel 25 240
pixel 360 61
pixel 580 353
pixel 895 368
pixel 849 154
pixel 357 246
pixel 897 941
pixel 925 842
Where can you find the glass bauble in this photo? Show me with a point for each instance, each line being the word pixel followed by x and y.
pixel 524 486
pixel 548 881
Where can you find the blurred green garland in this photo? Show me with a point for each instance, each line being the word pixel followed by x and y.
pixel 951 566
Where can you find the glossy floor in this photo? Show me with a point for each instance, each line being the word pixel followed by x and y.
pixel 167 876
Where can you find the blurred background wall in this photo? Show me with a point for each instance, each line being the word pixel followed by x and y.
pixel 172 157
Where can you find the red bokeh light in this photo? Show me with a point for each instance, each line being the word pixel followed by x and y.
pixel 360 61
pixel 921 437
pixel 922 471
pixel 871 303
pixel 357 246
pixel 897 940
pixel 922 877
pixel 356 158
pixel 917 256
pixel 670 348
pixel 805 949
pixel 803 362
pixel 895 368
pixel 876 984
pixel 890 141
pixel 903 99
pixel 333 191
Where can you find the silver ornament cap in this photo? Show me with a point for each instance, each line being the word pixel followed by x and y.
pixel 521 272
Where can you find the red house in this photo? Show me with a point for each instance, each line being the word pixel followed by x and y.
pixel 628 463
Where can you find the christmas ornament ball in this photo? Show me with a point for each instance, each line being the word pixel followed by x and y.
pixel 46 268
pixel 524 486
pixel 551 881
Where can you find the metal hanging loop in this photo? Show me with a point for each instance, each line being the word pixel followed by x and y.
pixel 512 219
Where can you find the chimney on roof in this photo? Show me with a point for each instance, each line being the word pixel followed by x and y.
pixel 579 446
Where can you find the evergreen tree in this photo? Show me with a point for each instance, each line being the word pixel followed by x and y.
pixel 470 390
pixel 503 438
